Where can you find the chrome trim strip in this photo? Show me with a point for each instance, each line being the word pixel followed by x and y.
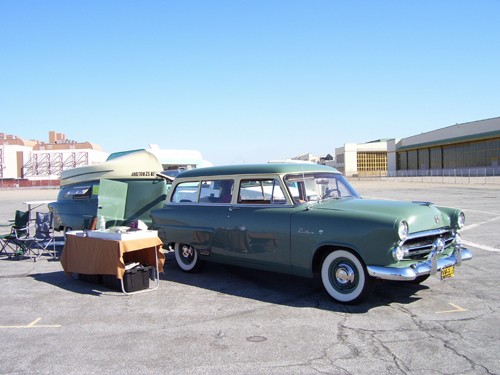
pixel 427 233
pixel 422 243
pixel 429 267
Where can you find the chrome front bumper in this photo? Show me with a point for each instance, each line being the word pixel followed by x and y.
pixel 429 267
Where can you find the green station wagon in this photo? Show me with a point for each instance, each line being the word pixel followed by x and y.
pixel 306 220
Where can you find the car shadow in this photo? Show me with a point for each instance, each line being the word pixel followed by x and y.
pixel 269 287
pixel 284 289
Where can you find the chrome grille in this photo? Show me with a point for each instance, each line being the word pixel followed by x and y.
pixel 419 245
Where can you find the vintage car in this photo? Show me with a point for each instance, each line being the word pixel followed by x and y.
pixel 306 220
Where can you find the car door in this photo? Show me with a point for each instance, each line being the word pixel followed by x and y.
pixel 258 225
pixel 197 215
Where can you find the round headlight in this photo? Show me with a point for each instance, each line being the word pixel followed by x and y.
pixel 403 230
pixel 461 220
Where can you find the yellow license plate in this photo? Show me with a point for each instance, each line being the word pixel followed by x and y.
pixel 447 272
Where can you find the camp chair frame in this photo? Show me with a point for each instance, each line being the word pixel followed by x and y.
pixel 43 241
pixel 12 244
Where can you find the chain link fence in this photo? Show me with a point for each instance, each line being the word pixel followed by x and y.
pixel 488 175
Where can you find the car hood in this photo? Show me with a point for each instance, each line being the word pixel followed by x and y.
pixel 420 216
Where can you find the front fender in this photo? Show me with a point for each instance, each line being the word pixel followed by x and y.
pixel 372 239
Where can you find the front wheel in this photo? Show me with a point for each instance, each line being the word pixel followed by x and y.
pixel 345 278
pixel 187 258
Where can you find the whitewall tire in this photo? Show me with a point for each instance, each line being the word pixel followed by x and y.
pixel 345 278
pixel 187 258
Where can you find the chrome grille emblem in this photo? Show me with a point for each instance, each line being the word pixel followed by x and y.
pixel 439 245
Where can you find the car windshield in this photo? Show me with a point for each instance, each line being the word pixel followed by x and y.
pixel 314 187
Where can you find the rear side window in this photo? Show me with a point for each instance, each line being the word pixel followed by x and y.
pixel 186 192
pixel 206 191
pixel 261 191
pixel 216 191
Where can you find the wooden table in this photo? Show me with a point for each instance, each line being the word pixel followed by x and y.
pixel 96 256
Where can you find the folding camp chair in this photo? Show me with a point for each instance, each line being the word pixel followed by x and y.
pixel 12 244
pixel 43 240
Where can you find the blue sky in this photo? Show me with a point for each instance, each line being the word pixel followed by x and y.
pixel 245 81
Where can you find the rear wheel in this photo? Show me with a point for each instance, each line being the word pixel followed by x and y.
pixel 345 278
pixel 187 258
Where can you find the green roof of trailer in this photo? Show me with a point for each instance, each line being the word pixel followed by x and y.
pixel 249 169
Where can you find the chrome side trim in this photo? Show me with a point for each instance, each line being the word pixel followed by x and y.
pixel 429 267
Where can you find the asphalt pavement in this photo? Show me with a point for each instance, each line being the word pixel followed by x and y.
pixel 228 320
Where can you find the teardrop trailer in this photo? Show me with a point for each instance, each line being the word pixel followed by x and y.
pixel 124 188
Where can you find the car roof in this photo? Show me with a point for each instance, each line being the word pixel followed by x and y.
pixel 249 169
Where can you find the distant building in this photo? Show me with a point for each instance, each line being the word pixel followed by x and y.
pixel 24 162
pixel 471 146
pixel 178 159
pixel 309 158
pixel 364 159
pixel 34 159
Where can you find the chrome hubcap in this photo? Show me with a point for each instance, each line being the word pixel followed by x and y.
pixel 187 251
pixel 344 274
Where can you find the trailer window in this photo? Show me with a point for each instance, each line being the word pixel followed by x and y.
pixel 79 192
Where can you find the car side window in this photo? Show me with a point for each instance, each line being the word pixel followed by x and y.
pixel 216 191
pixel 261 191
pixel 186 192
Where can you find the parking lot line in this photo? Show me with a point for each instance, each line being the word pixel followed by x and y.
pixel 475 225
pixel 482 247
pixel 456 309
pixel 33 324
